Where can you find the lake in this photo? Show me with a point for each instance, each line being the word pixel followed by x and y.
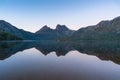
pixel 49 60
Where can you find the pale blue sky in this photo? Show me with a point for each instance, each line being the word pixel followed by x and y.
pixel 31 15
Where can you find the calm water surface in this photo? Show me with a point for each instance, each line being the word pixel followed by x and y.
pixel 29 61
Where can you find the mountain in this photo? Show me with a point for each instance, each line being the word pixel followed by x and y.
pixel 9 29
pixel 44 29
pixel 59 32
pixel 105 30
pixel 64 30
pixel 46 33
pixel 8 36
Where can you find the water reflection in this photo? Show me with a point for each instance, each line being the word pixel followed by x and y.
pixel 104 50
pixel 48 60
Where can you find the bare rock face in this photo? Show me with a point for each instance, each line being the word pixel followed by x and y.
pixel 44 29
pixel 62 29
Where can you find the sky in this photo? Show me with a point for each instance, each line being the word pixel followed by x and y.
pixel 31 15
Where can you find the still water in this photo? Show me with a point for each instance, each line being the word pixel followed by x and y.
pixel 59 61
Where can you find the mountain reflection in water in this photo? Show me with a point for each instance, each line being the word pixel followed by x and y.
pixel 104 50
pixel 50 60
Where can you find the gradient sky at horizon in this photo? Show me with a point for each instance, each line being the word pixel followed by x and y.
pixel 31 15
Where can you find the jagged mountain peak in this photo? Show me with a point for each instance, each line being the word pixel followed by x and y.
pixel 44 29
pixel 64 30
pixel 61 27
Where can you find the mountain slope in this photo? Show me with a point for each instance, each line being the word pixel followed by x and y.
pixel 6 27
pixel 105 30
pixel 44 33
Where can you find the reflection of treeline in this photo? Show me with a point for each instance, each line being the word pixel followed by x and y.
pixel 98 46
pixel 105 50
pixel 7 49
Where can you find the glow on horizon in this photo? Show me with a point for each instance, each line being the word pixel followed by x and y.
pixel 31 15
